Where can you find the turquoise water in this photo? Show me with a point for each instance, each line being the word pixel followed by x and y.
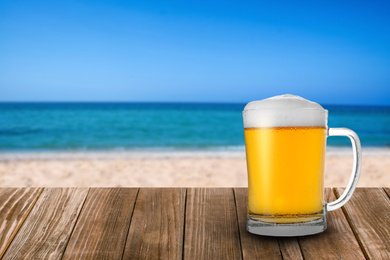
pixel 117 126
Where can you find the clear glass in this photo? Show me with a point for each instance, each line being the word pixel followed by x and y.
pixel 285 179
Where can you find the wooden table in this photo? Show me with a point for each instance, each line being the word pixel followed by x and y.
pixel 176 223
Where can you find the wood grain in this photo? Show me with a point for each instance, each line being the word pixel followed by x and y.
pixel 253 246
pixel 157 226
pixel 103 224
pixel 290 249
pixel 336 242
pixel 211 229
pixel 368 213
pixel 15 205
pixel 207 223
pixel 387 190
pixel 45 232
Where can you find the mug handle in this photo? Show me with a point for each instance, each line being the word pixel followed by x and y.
pixel 357 165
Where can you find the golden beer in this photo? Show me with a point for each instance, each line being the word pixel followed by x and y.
pixel 285 173
pixel 285 140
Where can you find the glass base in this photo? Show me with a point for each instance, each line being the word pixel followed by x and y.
pixel 286 230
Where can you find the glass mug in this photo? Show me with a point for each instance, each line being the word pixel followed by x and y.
pixel 285 142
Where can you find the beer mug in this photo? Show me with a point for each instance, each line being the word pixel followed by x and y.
pixel 285 142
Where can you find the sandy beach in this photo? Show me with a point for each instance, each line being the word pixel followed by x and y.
pixel 168 169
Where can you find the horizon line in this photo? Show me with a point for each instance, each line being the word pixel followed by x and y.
pixel 170 102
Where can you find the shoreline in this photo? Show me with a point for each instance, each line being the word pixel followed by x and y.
pixel 146 168
pixel 161 154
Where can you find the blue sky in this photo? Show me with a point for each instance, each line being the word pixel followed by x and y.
pixel 212 51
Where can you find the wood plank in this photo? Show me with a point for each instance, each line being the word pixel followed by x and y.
pixel 337 242
pixel 157 226
pixel 368 213
pixel 290 249
pixel 253 246
pixel 103 224
pixel 15 205
pixel 46 231
pixel 211 228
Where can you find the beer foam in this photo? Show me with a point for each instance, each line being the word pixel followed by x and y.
pixel 284 110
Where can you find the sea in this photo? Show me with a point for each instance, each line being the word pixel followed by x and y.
pixel 158 126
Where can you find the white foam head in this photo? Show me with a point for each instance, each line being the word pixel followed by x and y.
pixel 282 111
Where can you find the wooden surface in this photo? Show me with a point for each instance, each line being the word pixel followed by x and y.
pixel 368 212
pixel 102 225
pixel 159 217
pixel 211 229
pixel 46 230
pixel 177 223
pixel 15 205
